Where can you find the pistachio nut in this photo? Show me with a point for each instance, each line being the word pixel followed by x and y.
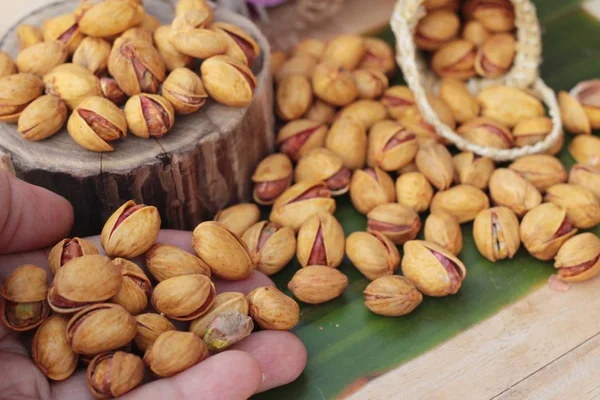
pixel 541 170
pixel 371 187
pixel 174 352
pixel 486 132
pixel 472 169
pixel 426 133
pixel 72 83
pixel 414 191
pixel 7 65
pixel 42 118
pixel 28 35
pixel 475 32
pixel 579 258
pixel 435 162
pixel 391 146
pixel 296 138
pixel 378 55
pixel 321 241
pixel 228 81
pixel 300 202
pixel 346 51
pixel 586 176
pixel 171 56
pixel 271 178
pixel 587 93
pixel 323 164
pixel 392 296
pixel 95 122
pixel 149 327
pixel 460 101
pixel 226 329
pixel 150 23
pixel 23 316
pixel 149 115
pixel 495 15
pixel 372 253
pixel 211 240
pixel 224 302
pixel 399 223
pixel 455 59
pixel 165 261
pixel 191 35
pixel 64 28
pixel 436 4
pixel 278 58
pixel 509 105
pixel 531 131
pixel 271 246
pixel 496 233
pixel 50 350
pixel 112 91
pixel 113 374
pixel 271 309
pixel 583 208
pixel 239 217
pixel 294 97
pixel 16 92
pixel 367 112
pixel 433 270
pixel 240 45
pixel 496 55
pixel 109 18
pixel 397 100
pixel 320 112
pixel 184 297
pixel 135 287
pixel 463 202
pixel 371 83
pixel 93 54
pixel 334 85
pixel 436 29
pixel 184 90
pixel 348 139
pixel 184 6
pixel 68 249
pixel 137 33
pixel 301 64
pixel 573 116
pixel 544 229
pixel 131 230
pixel 317 284
pixel 509 189
pixel 585 149
pixel 311 47
pixel 40 58
pixel 444 230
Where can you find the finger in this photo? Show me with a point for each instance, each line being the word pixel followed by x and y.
pixel 30 217
pixel 282 356
pixel 74 388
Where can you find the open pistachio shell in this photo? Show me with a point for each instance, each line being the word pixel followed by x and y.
pixel 300 202
pixel 372 253
pixel 226 301
pixel 149 115
pixel 496 233
pixel 541 170
pixel 463 202
pixel 93 54
pixel 321 164
pixel 149 327
pixel 444 230
pixel 240 45
pixel 171 56
pixel 397 100
pixel 64 28
pixel 391 146
pixel 509 189
pixel 531 131
pixel 174 352
pixel 378 55
pixel 114 374
pixel 587 93
pixel 16 92
pixel 321 112
pixel 473 170
pixel 191 35
pixel 72 83
pixel 272 177
pixel 333 84
pixel 228 81
pixel 239 217
pixel 271 309
pixel 544 229
pixel 586 176
pixel 585 149
pixel 436 29
pixel 496 16
pixel 271 246
pixel 371 187
pixel 475 32
pixel 455 59
pixel 165 261
pixel 27 283
pixel 135 289
pixel 573 115
pixel 579 258
pixel 496 55
pixel 370 83
pixel 509 105
pixel 487 132
pixel 583 208
pixel 321 241
pixel 392 296
pixel 68 249
pixel 50 350
pixel 184 90
pixel 184 297
pixel 28 35
pixel 399 223
pixel 21 317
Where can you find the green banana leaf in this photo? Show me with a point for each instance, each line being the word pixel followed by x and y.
pixel 347 344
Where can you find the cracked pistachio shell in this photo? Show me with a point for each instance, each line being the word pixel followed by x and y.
pixel 463 202
pixel 184 90
pixel 271 178
pixel 42 118
pixel 586 150
pixel 23 316
pixel 544 229
pixel 371 83
pixel 64 28
pixel 240 45
pixel 174 352
pixel 294 97
pixel 444 230
pixel 226 301
pixel 68 249
pixel 460 101
pixel 583 208
pixel 509 189
pixel 310 47
pixel 333 84
pixel 472 169
pixel 541 170
pixel 587 93
pixel 392 296
pixel 397 100
pixel 378 55
pixel 367 112
pixel 239 217
pixel 171 56
pixel 436 29
pixel 435 162
pixel 579 258
pixel 301 64
pixel 426 133
pixel 95 122
pixel 82 281
pixel 509 105
pixel 496 233
pixel 137 33
pixel 228 81
pixel 455 59
pixel 273 310
pixel 51 352
pixel 346 51
pixel 391 146
pixel 301 201
pixel 298 137
pixel 184 297
pixel 371 187
pixel 486 132
pixel 586 176
pixel 317 284
pixel 149 327
pixel 433 270
pixel 165 261
pixel 496 16
pixel 135 288
pixel 28 283
pixel 28 35
pixel 321 241
pixel 372 253
pixel 7 65
pixel 149 115
pixel 475 32
pixel 271 246
pixel 573 115
pixel 93 54
pixel 72 83
pixel 322 164
pixel 399 223
pixel 131 230
pixel 114 374
pixel 109 18
pixel 40 58
pixel 496 55
pixel 191 35
pixel 211 240
pixel 184 6
pixel 99 328
pixel 320 112
pixel 112 91
pixel 531 131
pixel 348 139
pixel 16 92
pixel 414 191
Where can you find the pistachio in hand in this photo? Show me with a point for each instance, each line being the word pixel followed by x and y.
pixel 40 58
pixel 272 177
pixel 224 302
pixel 149 327
pixel 579 258
pixel 323 164
pixel 271 246
pixel 72 83
pixel 472 169
pixel 184 297
pixel 316 284
pixel 298 137
pixel 321 241
pixel 436 29
pixel 239 217
pixel 165 261
pixel 583 208
pixel 68 249
pixel 149 115
pixel 171 56
pixel 108 18
pixel 191 35
pixel 463 202
pixel 495 56
pixel 50 350
pixel 64 28
pixel 114 374
pixel 42 118
pixel 456 59
pixel 16 93
pixel 414 191
pixel 496 233
pixel 174 352
pixel 371 187
pixel 184 90
pixel 444 230
pixel 28 35
pixel 372 253
pixel 135 287
pixel 93 54
pixel 228 81
pixel 348 139
pixel 391 146
pixel 271 309
pixel 226 329
pixel 346 51
pixel 240 45
pixel 294 97
pixel 334 85
pixel 392 296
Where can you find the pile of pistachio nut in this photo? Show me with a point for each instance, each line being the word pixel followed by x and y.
pixel 111 52
pixel 96 306
pixel 482 43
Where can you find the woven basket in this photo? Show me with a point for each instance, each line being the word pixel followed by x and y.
pixel 523 74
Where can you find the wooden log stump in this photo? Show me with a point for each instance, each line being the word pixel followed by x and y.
pixel 202 165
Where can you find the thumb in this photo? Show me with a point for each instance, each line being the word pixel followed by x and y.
pixel 30 217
